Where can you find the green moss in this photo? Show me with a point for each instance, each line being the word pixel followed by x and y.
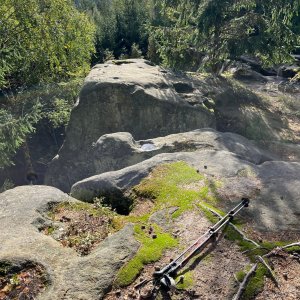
pixel 50 230
pixel 166 185
pixel 240 275
pixel 205 208
pixel 256 283
pixel 293 249
pixel 150 251
pixel 272 245
pixel 234 236
pixel 187 281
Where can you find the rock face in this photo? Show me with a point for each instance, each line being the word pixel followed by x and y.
pixel 132 96
pixel 113 184
pixel 273 185
pixel 70 276
pixel 119 150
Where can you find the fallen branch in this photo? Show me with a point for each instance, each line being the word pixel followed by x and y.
pixel 291 245
pixel 236 229
pixel 269 269
pixel 244 283
pixel 276 250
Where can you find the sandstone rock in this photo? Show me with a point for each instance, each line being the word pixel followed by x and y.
pixel 113 184
pixel 286 151
pixel 70 276
pixel 132 96
pixel 277 207
pixel 119 150
pixel 272 186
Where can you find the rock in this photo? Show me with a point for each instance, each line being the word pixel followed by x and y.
pixel 119 150
pixel 71 277
pixel 246 73
pixel 277 207
pixel 288 71
pixel 113 184
pixel 256 65
pixel 291 87
pixel 132 96
pixel 163 217
pixel 242 110
pixel 271 186
pixel 284 150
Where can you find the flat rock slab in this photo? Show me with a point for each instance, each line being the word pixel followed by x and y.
pixel 71 276
pixel 115 183
pixel 273 186
pixel 119 150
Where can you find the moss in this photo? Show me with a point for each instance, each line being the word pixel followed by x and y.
pixel 166 186
pixel 256 283
pixel 205 208
pixel 240 275
pixel 187 281
pixel 293 249
pixel 150 251
pixel 272 245
pixel 49 230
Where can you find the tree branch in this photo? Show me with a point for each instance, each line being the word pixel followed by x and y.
pixel 244 283
pixel 269 269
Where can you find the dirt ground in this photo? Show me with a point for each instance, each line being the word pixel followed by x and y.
pixel 24 284
pixel 203 272
pixel 78 229
pixel 287 272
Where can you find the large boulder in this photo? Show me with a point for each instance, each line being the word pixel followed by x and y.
pixel 118 150
pixel 132 96
pixel 22 212
pixel 114 184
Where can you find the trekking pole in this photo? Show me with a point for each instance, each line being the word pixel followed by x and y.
pixel 165 275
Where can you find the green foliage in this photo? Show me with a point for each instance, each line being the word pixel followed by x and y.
pixel 13 131
pixel 108 55
pixel 220 30
pixel 61 114
pixel 263 28
pixel 120 25
pixel 7 185
pixel 58 100
pixel 173 34
pixel 20 113
pixel 43 41
pixel 135 51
